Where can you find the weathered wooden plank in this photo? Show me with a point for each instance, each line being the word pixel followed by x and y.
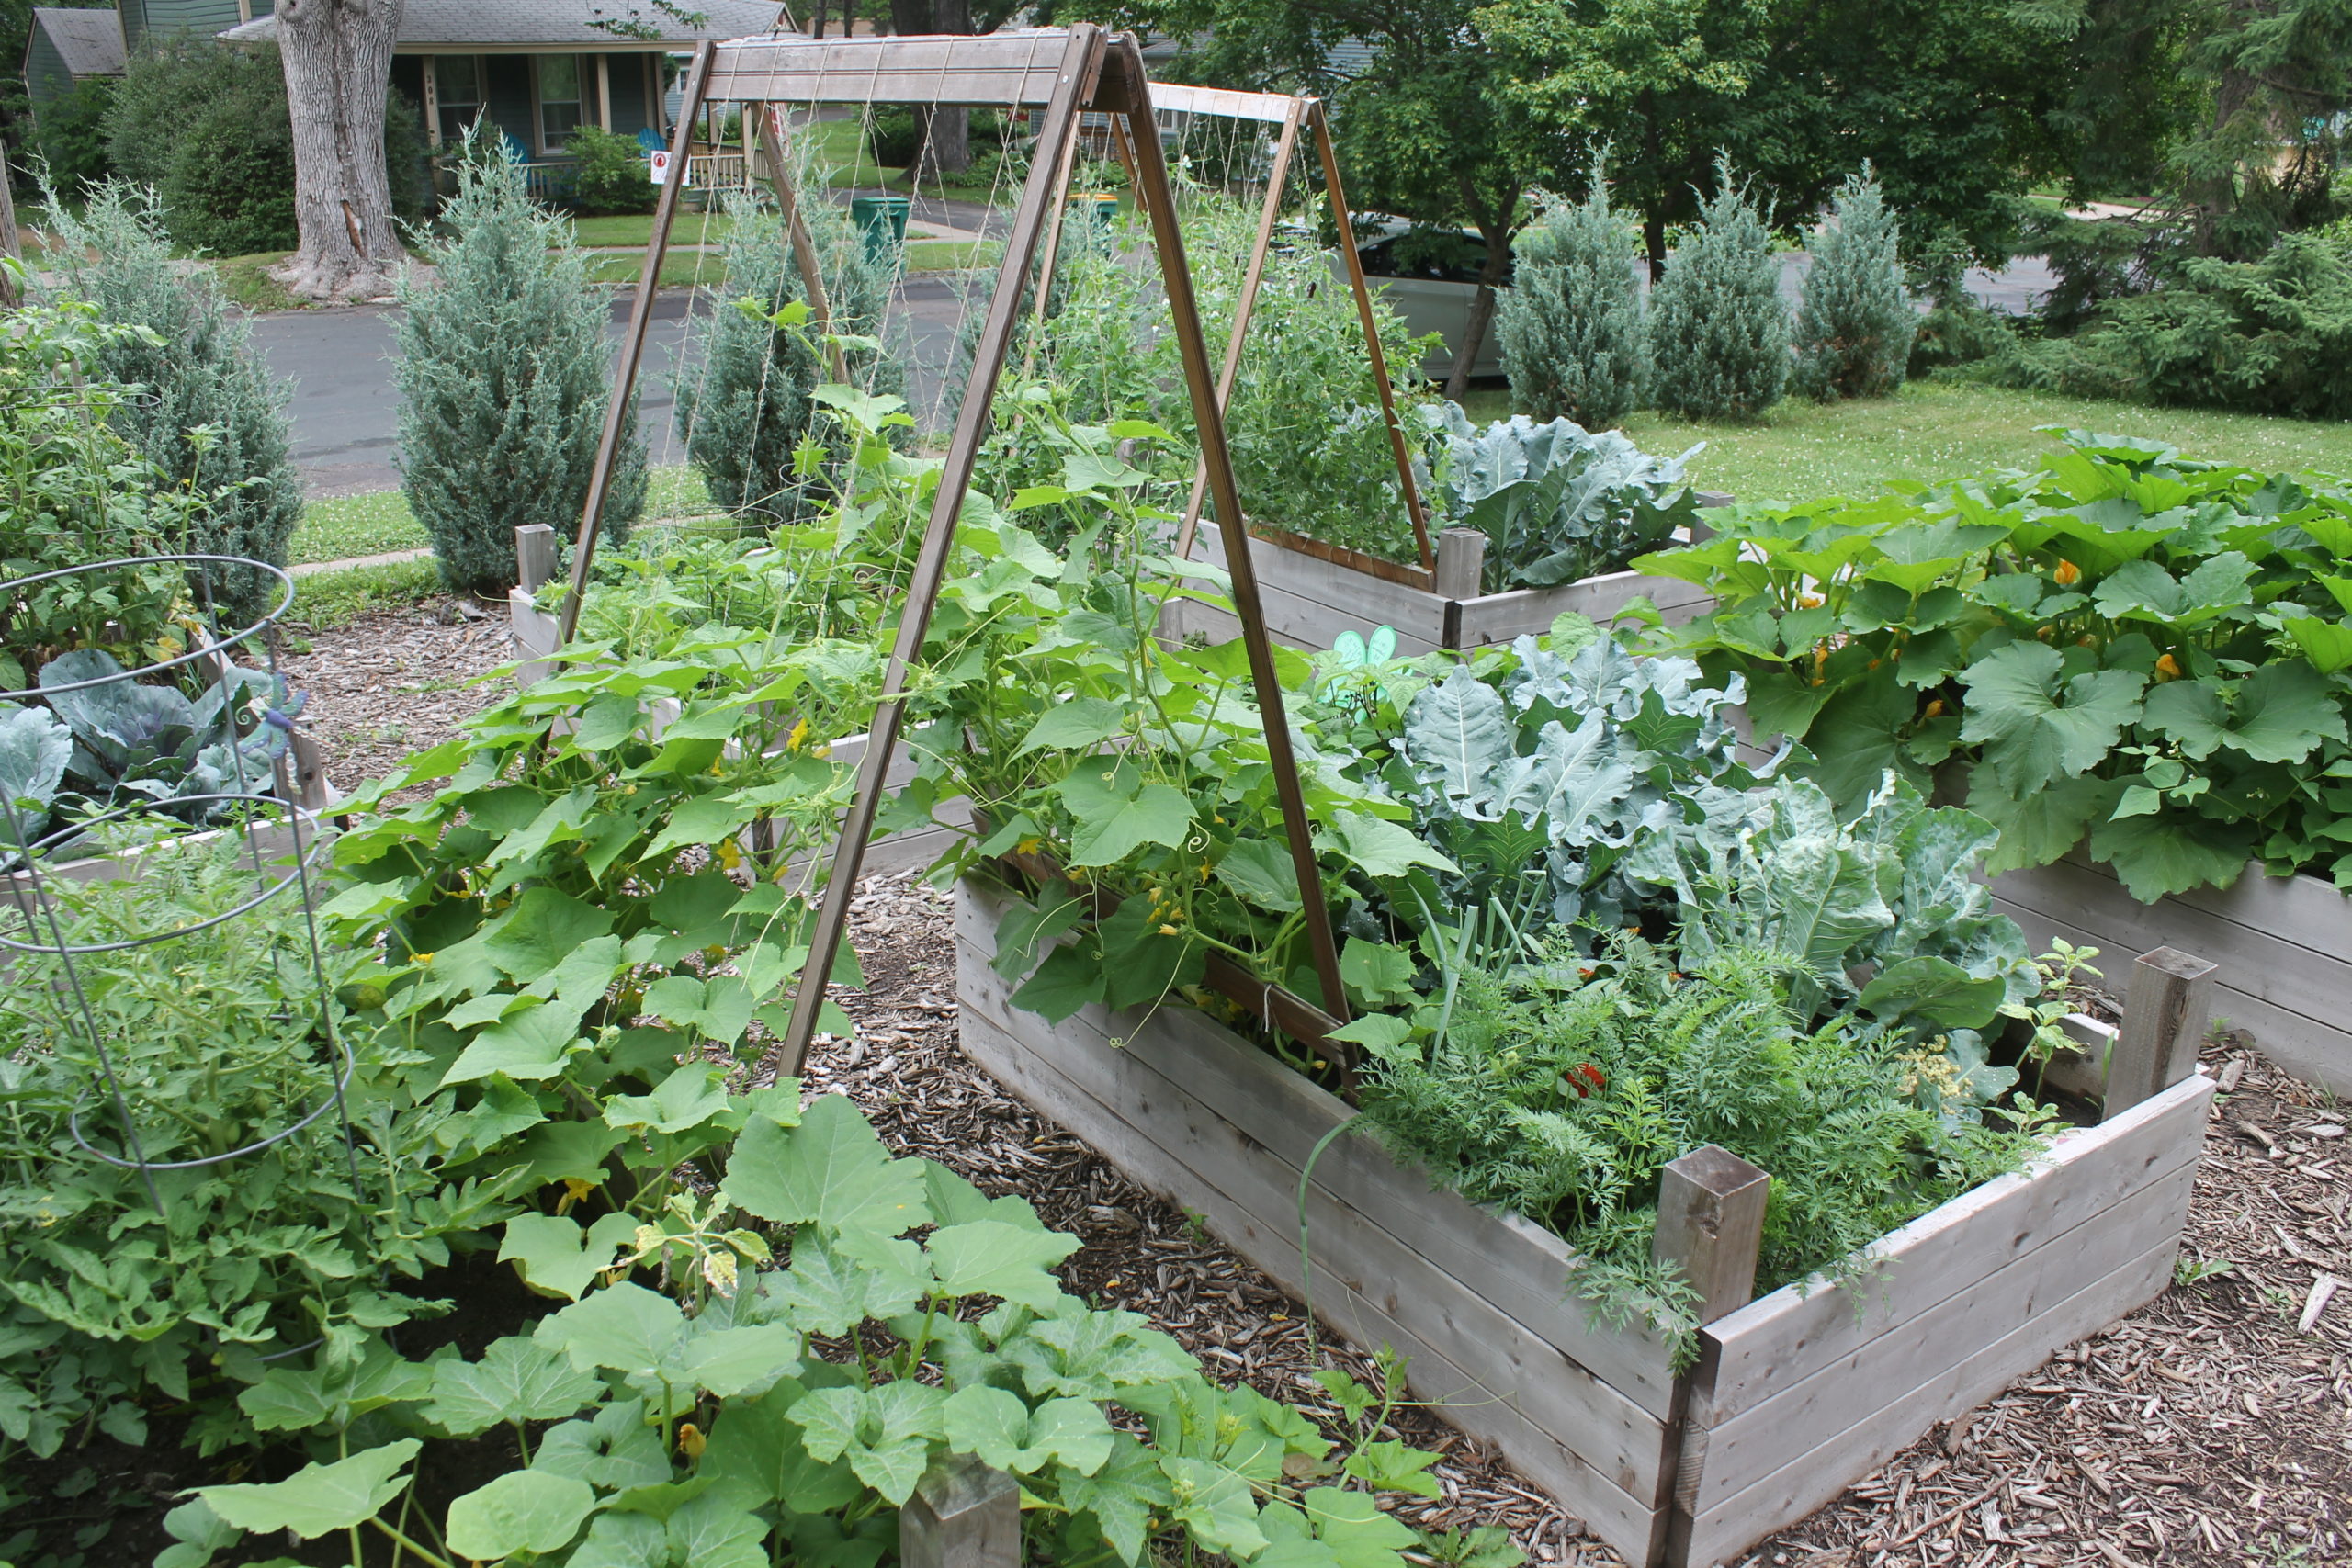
pixel 1366 598
pixel 1499 618
pixel 1519 1266
pixel 1522 1267
pixel 2286 931
pixel 1136 1135
pixel 1623 1443
pixel 1925 1348
pixel 1311 601
pixel 1226 103
pixel 1810 1479
pixel 2289 982
pixel 1291 620
pixel 1772 1344
pixel 1013 67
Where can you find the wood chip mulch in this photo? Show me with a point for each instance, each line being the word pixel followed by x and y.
pixel 2210 1427
pixel 394 683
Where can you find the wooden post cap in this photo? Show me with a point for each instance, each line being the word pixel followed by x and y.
pixel 2165 1007
pixel 963 1515
pixel 1711 1222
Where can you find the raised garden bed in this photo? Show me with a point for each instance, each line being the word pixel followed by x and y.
pixel 1794 1395
pixel 1313 592
pixel 2284 945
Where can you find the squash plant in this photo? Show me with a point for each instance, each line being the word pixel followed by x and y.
pixel 2124 646
pixel 797 1409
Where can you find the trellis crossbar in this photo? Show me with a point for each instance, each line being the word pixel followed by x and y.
pixel 1066 70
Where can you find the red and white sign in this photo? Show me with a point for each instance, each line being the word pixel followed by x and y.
pixel 658 167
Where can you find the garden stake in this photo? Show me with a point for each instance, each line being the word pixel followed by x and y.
pixel 640 315
pixel 1397 440
pixel 796 228
pixel 1277 180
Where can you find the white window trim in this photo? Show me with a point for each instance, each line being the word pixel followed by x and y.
pixel 539 106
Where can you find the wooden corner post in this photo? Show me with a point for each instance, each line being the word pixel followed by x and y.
pixel 2164 1012
pixel 1711 1222
pixel 533 557
pixel 963 1515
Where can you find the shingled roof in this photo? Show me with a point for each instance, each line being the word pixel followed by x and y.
pixel 90 42
pixel 540 24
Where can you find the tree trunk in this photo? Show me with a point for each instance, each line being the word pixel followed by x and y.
pixel 1482 312
pixel 1654 243
pixel 2216 196
pixel 949 148
pixel 908 19
pixel 338 57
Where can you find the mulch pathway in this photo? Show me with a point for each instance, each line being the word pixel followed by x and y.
pixel 396 682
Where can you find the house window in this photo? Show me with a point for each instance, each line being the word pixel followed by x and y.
pixel 457 93
pixel 561 78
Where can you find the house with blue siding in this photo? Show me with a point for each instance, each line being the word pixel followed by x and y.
pixel 68 47
pixel 535 70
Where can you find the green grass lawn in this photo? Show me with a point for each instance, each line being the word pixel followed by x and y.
pixel 680 269
pixel 344 527
pixel 637 228
pixel 948 255
pixel 326 599
pixel 1939 430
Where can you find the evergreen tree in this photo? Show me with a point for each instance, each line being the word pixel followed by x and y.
pixel 1572 338
pixel 210 416
pixel 745 410
pixel 1855 326
pixel 1719 333
pixel 503 374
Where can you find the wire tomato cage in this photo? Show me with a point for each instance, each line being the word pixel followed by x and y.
pixel 260 828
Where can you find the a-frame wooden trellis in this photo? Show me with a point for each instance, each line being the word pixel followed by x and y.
pixel 1065 71
pixel 1294 115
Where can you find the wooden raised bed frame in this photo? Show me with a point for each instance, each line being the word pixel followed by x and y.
pixel 2284 944
pixel 1795 1396
pixel 1312 592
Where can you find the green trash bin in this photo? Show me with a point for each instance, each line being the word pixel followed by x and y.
pixel 883 220
pixel 1102 206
